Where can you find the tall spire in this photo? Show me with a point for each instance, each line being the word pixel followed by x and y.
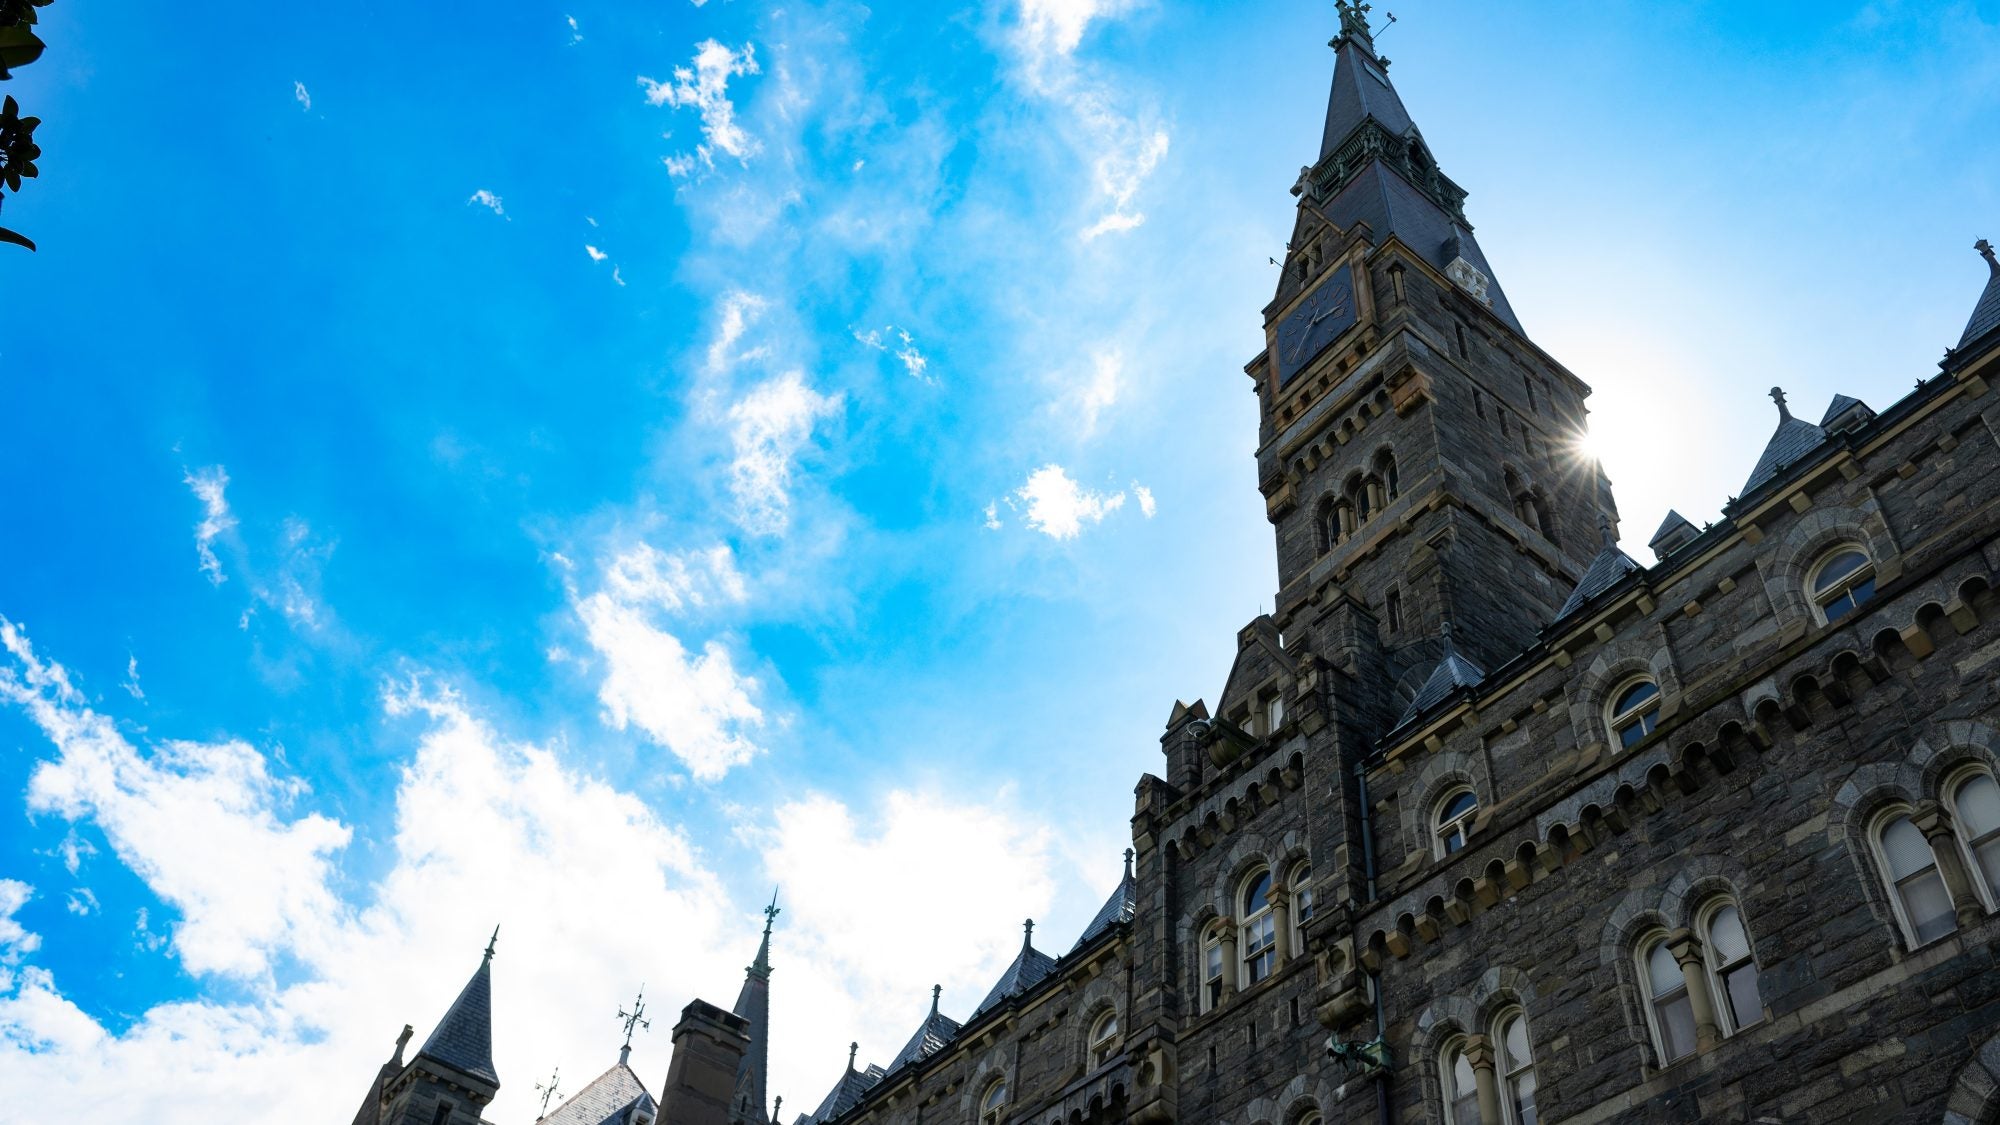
pixel 464 1037
pixel 753 1003
pixel 1375 168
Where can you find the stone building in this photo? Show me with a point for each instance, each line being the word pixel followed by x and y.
pixel 1491 822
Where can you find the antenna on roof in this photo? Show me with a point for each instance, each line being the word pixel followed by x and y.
pixel 548 1091
pixel 1387 24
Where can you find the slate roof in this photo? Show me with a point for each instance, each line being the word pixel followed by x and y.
pixel 1674 527
pixel 1029 968
pixel 1452 672
pixel 1794 438
pixel 464 1037
pixel 607 1100
pixel 753 1003
pixel 846 1093
pixel 1841 404
pixel 1606 569
pixel 1985 314
pixel 1120 907
pixel 1361 89
pixel 931 1036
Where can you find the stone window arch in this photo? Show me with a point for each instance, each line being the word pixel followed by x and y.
pixel 1632 711
pixel 1451 820
pixel 1730 964
pixel 993 1102
pixel 1326 525
pixel 1840 582
pixel 1669 1001
pixel 1973 797
pixel 1105 1038
pixel 1912 876
pixel 1386 472
pixel 1459 1081
pixel 1259 926
pixel 1811 541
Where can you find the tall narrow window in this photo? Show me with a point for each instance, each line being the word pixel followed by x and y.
pixel 1395 611
pixel 1326 526
pixel 1923 906
pixel 1211 967
pixel 993 1105
pixel 1454 820
pixel 442 1116
pixel 1504 431
pixel 1975 805
pixel 1460 328
pixel 1668 1008
pixel 1732 971
pixel 1516 1064
pixel 1635 712
pixel 1301 886
pixel 1530 384
pixel 1842 582
pixel 1274 712
pixel 1260 929
pixel 1461 1087
pixel 1104 1039
pixel 1478 400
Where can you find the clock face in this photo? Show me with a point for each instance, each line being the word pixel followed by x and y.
pixel 1318 320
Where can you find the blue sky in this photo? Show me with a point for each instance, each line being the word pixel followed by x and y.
pixel 580 466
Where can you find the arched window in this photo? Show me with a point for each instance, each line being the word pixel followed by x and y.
pixel 1732 971
pixel 1300 882
pixel 1395 611
pixel 993 1103
pixel 1515 1060
pixel 1211 966
pixel 1842 582
pixel 1635 712
pixel 1343 519
pixel 1326 526
pixel 1461 1087
pixel 1453 820
pixel 1357 493
pixel 1975 806
pixel 1916 890
pixel 1668 1010
pixel 1260 929
pixel 1310 1117
pixel 1104 1039
pixel 1385 468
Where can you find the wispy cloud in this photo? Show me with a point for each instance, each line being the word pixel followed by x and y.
pixel 596 255
pixel 903 346
pixel 1146 505
pixel 302 96
pixel 1097 392
pixel 575 32
pixel 769 428
pixel 15 940
pixel 704 86
pixel 488 200
pixel 1060 508
pixel 216 520
pixel 131 684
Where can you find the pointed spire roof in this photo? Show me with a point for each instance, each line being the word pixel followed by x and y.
pixel 753 1003
pixel 1374 167
pixel 931 1036
pixel 1028 969
pixel 848 1092
pixel 1453 673
pixel 1986 314
pixel 1793 439
pixel 1119 908
pixel 608 1099
pixel 1674 532
pixel 464 1037
pixel 1610 565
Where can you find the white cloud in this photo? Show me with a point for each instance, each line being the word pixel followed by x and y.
pixel 596 255
pixel 248 885
pixel 704 86
pixel 698 707
pixel 903 346
pixel 617 277
pixel 81 901
pixel 1098 393
pixel 302 96
pixel 1060 508
pixel 131 684
pixel 1145 495
pixel 216 520
pixel 15 940
pixel 769 427
pixel 993 516
pixel 489 201
pixel 575 32
pixel 739 311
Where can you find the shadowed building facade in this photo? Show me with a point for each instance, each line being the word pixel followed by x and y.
pixel 1492 822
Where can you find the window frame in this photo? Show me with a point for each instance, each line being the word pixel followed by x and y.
pixel 1841 587
pixel 1298 883
pixel 1717 971
pixel 1968 845
pixel 1448 1057
pixel 1263 923
pixel 1507 1071
pixel 1460 825
pixel 1653 1001
pixel 1209 990
pixel 1878 827
pixel 1102 1043
pixel 993 1102
pixel 1645 713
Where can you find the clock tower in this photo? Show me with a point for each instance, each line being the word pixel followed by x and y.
pixel 1419 454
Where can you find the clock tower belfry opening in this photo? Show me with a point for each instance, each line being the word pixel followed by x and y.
pixel 1418 453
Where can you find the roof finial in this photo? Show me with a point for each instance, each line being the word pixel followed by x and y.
pixel 548 1091
pixel 403 1041
pixel 1778 396
pixel 634 1018
pixel 1985 249
pixel 1129 853
pixel 853 1049
pixel 491 942
pixel 1029 928
pixel 937 993
pixel 1353 17
pixel 778 1107
pixel 771 912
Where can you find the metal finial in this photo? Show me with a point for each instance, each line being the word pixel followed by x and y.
pixel 1129 853
pixel 771 912
pixel 853 1049
pixel 491 942
pixel 636 1018
pixel 548 1092
pixel 1778 396
pixel 1029 929
pixel 778 1107
pixel 1353 16
pixel 937 993
pixel 1985 249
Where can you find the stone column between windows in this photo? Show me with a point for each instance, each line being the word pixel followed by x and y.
pixel 1686 952
pixel 1281 920
pixel 1930 819
pixel 1479 1052
pixel 1229 967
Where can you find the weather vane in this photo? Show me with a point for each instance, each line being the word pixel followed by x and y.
pixel 548 1091
pixel 636 1018
pixel 771 912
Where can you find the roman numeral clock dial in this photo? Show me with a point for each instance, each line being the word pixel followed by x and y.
pixel 1319 319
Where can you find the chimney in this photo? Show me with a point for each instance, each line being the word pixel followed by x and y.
pixel 709 1045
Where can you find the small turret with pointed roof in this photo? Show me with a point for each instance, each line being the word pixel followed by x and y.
pixel 1982 332
pixel 1793 439
pixel 452 1077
